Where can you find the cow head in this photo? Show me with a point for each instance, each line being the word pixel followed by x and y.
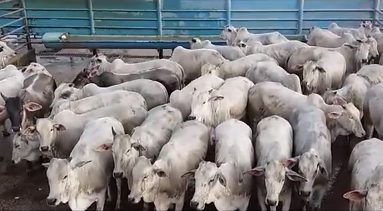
pixel 34 68
pixel 64 91
pixel 312 75
pixel 274 173
pixel 201 109
pixel 25 147
pixel 96 64
pixel 229 33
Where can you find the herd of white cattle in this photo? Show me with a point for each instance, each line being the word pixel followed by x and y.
pixel 269 108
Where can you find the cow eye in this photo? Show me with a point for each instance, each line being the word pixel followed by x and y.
pixel 17 146
pixel 145 177
pixel 66 176
pixel 211 180
pixel 127 151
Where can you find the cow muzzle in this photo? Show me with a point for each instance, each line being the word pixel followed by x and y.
pixel 117 175
pixel 191 118
pixel 195 205
pixel 364 61
pixel 51 202
pixel 271 203
pixel 15 128
pixel 304 193
pixel 44 148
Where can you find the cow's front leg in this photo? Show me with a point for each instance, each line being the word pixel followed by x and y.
pixel 101 201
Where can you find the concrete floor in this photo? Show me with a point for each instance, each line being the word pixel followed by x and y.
pixel 19 191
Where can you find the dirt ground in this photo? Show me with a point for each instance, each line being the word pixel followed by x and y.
pixel 21 191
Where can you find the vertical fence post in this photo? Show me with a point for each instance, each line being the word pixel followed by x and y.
pixel 376 12
pixel 26 27
pixel 91 22
pixel 228 12
pixel 300 16
pixel 159 26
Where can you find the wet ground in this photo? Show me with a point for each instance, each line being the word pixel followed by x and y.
pixel 22 191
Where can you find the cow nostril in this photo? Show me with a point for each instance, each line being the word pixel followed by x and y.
pixel 117 175
pixel 364 61
pixel 193 204
pixel 304 193
pixel 191 118
pixel 44 148
pixel 51 201
pixel 16 129
pixel 130 199
pixel 271 203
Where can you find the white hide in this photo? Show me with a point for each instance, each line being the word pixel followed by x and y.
pixel 83 178
pixel 230 53
pixel 239 67
pixel 223 182
pixel 326 38
pixel 216 106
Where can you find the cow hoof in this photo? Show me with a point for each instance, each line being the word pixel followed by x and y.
pixel 6 133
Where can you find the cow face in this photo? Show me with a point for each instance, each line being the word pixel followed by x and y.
pixel 346 119
pixel 64 91
pixel 207 176
pixel 34 68
pixel 274 173
pixel 310 166
pixel 229 33
pixel 25 147
pixel 96 63
pixel 145 181
pixel 312 73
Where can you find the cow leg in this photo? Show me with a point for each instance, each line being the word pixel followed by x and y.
pixel 286 199
pixel 261 200
pixel 146 207
pixel 101 201
pixel 180 202
pixel 109 193
pixel 5 132
pixel 245 205
pixel 118 184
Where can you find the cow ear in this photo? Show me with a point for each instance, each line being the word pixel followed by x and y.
pixel 258 171
pixel 289 163
pixel 215 98
pixel 46 165
pixel 339 101
pixel 104 147
pixel 137 146
pixel 59 127
pixel 323 170
pixel 298 67
pixel 334 115
pixel 293 176
pixel 189 174
pixel 355 195
pixel 29 130
pixel 32 106
pixel 321 69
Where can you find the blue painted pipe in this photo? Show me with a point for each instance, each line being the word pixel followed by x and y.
pixel 60 40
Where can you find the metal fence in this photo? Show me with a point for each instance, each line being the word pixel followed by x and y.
pixel 148 22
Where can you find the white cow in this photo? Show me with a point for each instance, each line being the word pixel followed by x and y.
pixel 239 67
pixel 223 182
pixel 228 34
pixel 154 92
pixel 99 64
pixel 229 101
pixel 83 178
pixel 35 68
pixel 9 88
pixel 162 181
pixel 228 52
pixel 273 154
pixel 242 34
pixel 364 29
pixel 60 134
pixel 193 59
pixel 182 99
pixel 312 148
pixel 6 54
pixel 146 140
pixel 97 101
pixel 270 71
pixel 373 112
pixel 271 98
pixel 356 85
pixel 366 165
pixel 322 69
pixel 278 51
pixel 326 38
